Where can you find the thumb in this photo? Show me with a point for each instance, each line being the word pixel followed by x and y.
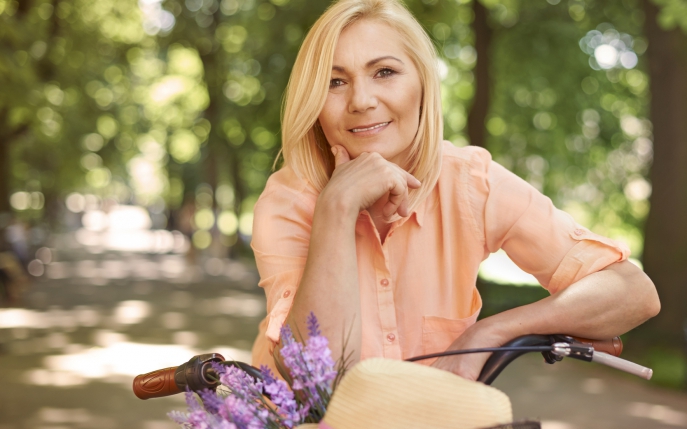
pixel 341 155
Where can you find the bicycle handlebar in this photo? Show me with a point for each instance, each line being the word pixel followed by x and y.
pixel 623 365
pixel 198 373
pixel 613 347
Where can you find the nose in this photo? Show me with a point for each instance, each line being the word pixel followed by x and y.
pixel 361 97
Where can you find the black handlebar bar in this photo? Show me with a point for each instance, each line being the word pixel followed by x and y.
pixel 197 373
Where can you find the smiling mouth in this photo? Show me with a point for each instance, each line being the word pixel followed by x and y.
pixel 373 127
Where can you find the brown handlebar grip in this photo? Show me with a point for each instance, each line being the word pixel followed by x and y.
pixel 614 346
pixel 156 384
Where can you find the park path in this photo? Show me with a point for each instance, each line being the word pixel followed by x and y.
pixel 68 353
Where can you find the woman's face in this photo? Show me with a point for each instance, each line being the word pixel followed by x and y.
pixel 374 98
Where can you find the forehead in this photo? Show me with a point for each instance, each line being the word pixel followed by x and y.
pixel 366 40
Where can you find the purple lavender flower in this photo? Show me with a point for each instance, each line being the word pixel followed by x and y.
pixel 283 398
pixel 311 367
pixel 197 417
pixel 241 383
pixel 313 326
pixel 245 414
pixel 311 371
pixel 321 363
pixel 211 401
pixel 293 355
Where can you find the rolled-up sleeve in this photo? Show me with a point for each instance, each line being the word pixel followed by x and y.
pixel 541 239
pixel 281 236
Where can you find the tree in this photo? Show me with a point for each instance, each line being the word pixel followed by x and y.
pixel 665 248
pixel 480 103
pixel 56 115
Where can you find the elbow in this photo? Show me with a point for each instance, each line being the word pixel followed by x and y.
pixel 640 291
pixel 652 304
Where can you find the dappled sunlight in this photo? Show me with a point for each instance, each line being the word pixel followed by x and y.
pixel 658 413
pixel 131 312
pixel 609 49
pixel 123 228
pixel 117 362
pixel 81 315
pixel 499 268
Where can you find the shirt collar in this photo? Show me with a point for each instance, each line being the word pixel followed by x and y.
pixel 418 214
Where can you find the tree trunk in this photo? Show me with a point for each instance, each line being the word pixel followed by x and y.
pixel 6 140
pixel 212 114
pixel 4 175
pixel 665 244
pixel 480 103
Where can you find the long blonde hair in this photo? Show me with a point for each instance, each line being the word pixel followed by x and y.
pixel 304 146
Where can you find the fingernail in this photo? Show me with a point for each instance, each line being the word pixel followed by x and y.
pixel 335 150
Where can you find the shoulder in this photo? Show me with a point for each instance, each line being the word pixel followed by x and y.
pixel 466 156
pixel 468 163
pixel 285 185
pixel 286 196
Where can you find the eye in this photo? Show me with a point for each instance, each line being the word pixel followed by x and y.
pixel 385 72
pixel 335 83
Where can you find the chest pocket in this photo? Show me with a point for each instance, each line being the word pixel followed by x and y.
pixel 439 332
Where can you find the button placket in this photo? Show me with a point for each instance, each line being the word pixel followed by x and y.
pixel 387 308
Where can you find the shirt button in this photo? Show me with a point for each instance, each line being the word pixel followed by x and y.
pixel 578 231
pixel 391 338
pixel 384 282
pixel 286 294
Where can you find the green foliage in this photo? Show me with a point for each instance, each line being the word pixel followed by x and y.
pixel 573 129
pixel 57 105
pixel 146 101
pixel 673 14
pixel 670 367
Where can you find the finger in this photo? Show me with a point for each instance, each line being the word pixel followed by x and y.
pixel 398 196
pixel 409 178
pixel 341 155
pixel 398 201
pixel 403 208
pixel 412 181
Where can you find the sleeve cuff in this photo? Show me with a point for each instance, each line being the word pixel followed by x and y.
pixel 277 317
pixel 592 253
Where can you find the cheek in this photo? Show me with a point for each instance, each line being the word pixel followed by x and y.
pixel 328 118
pixel 325 123
pixel 409 107
pixel 407 97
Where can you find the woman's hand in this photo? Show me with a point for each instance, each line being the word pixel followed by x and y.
pixel 361 182
pixel 470 365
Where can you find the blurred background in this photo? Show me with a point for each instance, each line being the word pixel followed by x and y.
pixel 136 136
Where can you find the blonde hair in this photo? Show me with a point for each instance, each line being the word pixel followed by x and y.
pixel 304 146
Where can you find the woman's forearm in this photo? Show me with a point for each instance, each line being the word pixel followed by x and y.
pixel 602 305
pixel 599 306
pixel 329 286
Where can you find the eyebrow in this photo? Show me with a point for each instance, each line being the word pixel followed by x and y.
pixel 369 63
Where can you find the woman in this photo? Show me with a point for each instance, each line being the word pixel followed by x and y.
pixel 379 227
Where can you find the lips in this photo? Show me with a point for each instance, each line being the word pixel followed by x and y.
pixel 370 127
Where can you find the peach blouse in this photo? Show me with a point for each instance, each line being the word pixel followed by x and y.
pixel 418 289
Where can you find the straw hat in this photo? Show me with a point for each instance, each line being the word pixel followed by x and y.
pixel 392 394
